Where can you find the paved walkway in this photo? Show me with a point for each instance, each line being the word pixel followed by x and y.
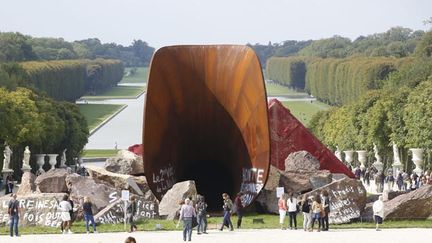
pixel 242 236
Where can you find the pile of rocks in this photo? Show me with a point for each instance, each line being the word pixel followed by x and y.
pixel 39 196
pixel 302 176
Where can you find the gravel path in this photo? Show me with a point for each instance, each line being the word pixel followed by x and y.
pixel 241 236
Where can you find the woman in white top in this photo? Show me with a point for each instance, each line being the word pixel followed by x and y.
pixel 378 210
pixel 292 210
pixel 65 207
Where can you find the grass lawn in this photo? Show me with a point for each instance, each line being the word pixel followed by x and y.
pixel 118 92
pixel 97 113
pixel 304 110
pixel 99 153
pixel 140 76
pixel 274 89
pixel 270 222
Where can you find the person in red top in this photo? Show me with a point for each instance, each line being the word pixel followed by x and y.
pixel 239 209
pixel 282 210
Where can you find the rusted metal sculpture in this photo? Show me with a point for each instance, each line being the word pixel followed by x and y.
pixel 206 120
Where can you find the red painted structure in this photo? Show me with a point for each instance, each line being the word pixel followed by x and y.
pixel 287 135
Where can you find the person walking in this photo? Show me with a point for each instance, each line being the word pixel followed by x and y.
pixel 282 210
pixel 238 209
pixel 65 207
pixel 316 212
pixel 88 214
pixel 306 210
pixel 187 212
pixel 201 215
pixel 13 211
pixel 326 211
pixel 131 211
pixel 9 185
pixel 292 210
pixel 378 210
pixel 227 206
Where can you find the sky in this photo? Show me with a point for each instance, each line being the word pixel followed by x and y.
pixel 173 22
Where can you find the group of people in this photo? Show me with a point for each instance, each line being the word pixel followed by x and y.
pixel 314 209
pixel 195 214
pixel 387 180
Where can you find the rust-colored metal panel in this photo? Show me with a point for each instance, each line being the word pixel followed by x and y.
pixel 206 120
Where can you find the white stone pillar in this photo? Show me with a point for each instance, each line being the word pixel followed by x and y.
pixel 417 158
pixel 52 160
pixel 40 160
pixel 362 158
pixel 349 157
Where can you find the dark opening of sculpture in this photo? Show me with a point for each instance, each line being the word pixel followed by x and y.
pixel 206 120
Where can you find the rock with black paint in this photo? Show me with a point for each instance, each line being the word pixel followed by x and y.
pixel 114 212
pixel 347 199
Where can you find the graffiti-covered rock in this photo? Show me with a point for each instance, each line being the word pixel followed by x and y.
pixel 53 181
pixel 125 162
pixel 347 199
pixel 114 212
pixel 28 185
pixel 169 205
pixel 38 209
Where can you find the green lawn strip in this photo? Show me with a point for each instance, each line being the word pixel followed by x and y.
pixel 304 110
pixel 140 76
pixel 274 89
pixel 93 153
pixel 97 113
pixel 270 222
pixel 118 92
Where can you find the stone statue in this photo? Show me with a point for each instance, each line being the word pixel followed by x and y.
pixel 26 159
pixel 396 158
pixel 377 156
pixel 7 156
pixel 338 153
pixel 63 159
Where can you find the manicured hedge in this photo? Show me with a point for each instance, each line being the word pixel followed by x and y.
pixel 70 79
pixel 288 71
pixel 340 81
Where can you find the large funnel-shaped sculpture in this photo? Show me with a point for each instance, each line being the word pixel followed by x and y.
pixel 206 120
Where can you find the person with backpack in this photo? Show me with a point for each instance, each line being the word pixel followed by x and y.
pixel 316 212
pixel 227 206
pixel 13 211
pixel 292 211
pixel 201 207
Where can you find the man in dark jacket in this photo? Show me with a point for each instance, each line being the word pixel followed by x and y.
pixel 13 211
pixel 238 206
